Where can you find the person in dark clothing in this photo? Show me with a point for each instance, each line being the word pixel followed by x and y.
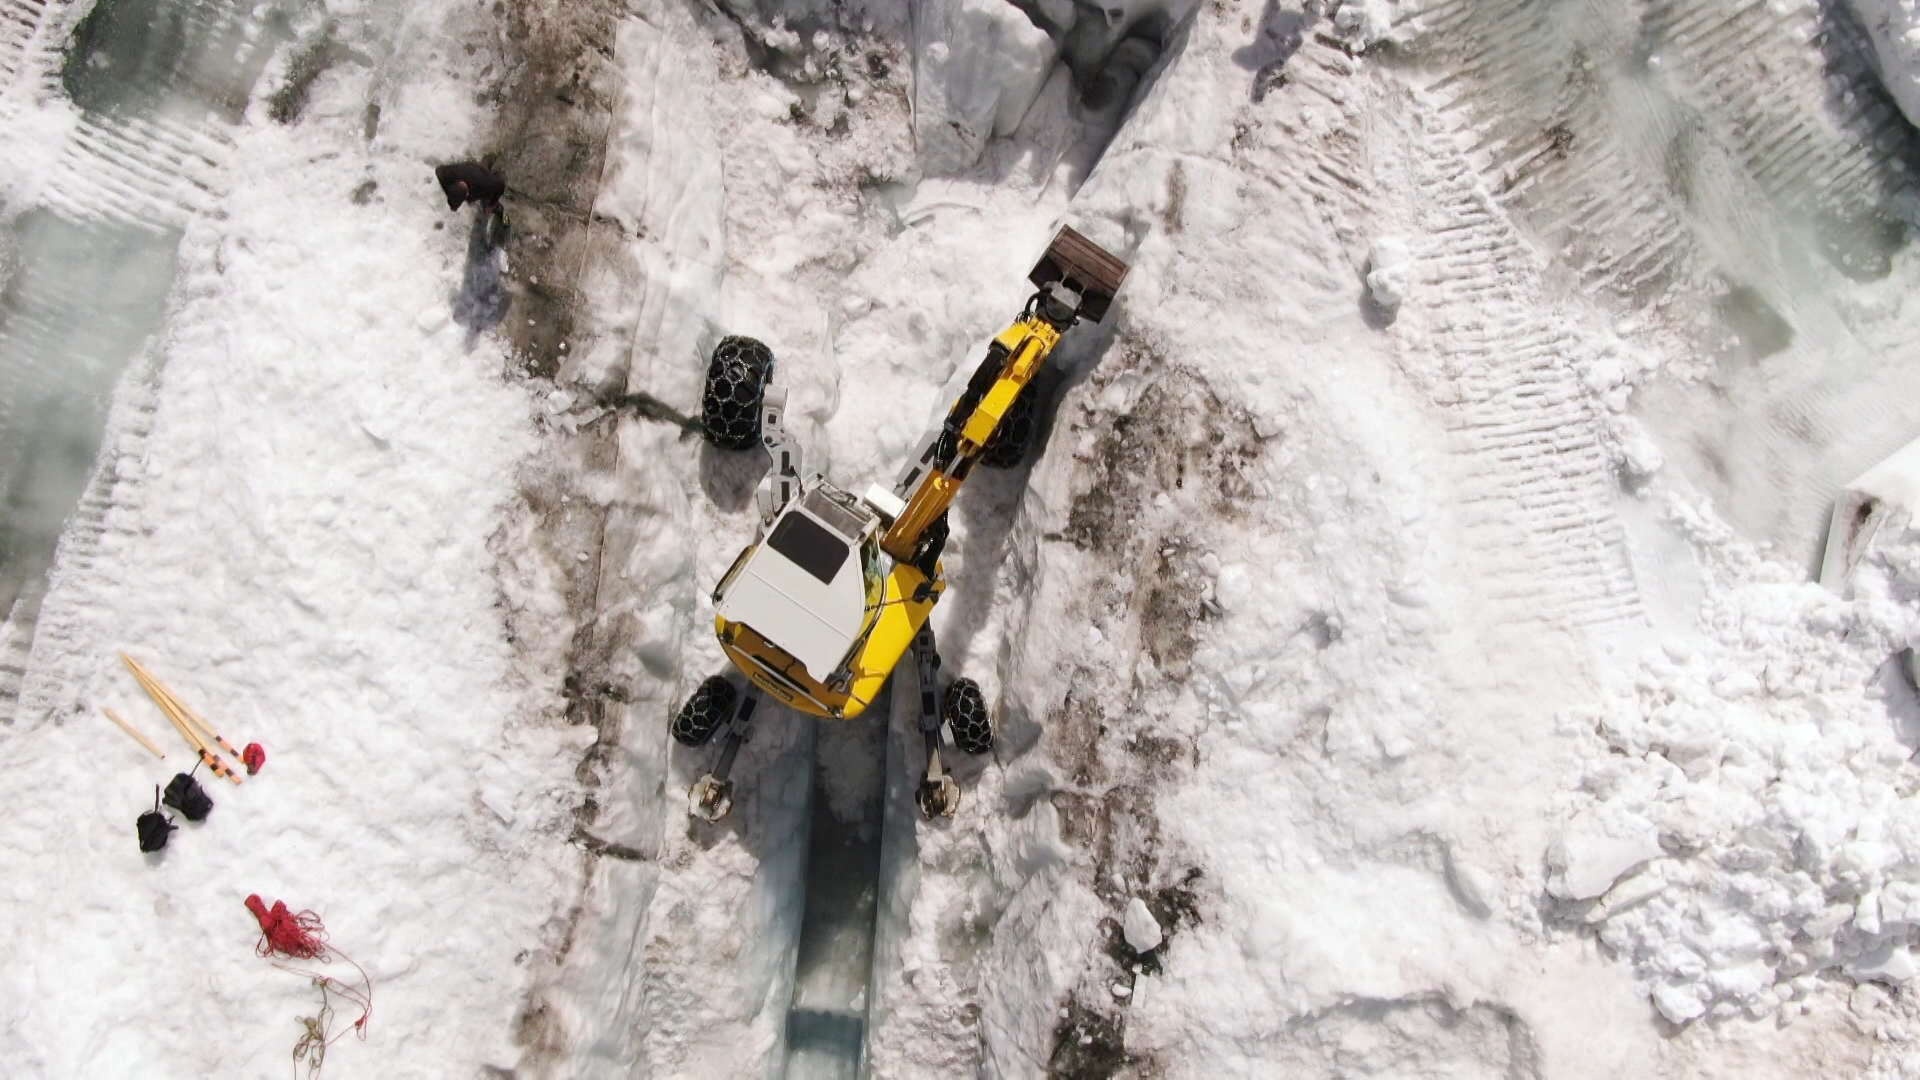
pixel 466 181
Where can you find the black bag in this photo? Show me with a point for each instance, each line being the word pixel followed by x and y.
pixel 154 826
pixel 185 794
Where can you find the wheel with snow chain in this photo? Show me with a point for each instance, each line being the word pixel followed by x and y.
pixel 1008 445
pixel 965 711
pixel 710 706
pixel 737 378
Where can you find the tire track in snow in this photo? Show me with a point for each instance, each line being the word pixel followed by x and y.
pixel 114 495
pixel 1698 162
pixel 19 21
pixel 149 173
pixel 1550 148
pixel 1591 133
pixel 1316 78
pixel 1814 131
pixel 1539 489
pixel 158 89
pixel 65 338
pixel 95 246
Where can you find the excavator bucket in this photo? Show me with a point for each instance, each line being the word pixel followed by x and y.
pixel 1085 266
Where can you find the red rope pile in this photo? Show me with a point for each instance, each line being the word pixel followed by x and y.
pixel 300 936
pixel 287 934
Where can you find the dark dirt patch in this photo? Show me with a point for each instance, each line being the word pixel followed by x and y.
pixel 1160 750
pixel 1087 1046
pixel 1176 455
pixel 1170 611
pixel 1077 729
pixel 1177 438
pixel 553 105
pixel 555 110
pixel 1119 828
pixel 538 1029
pixel 289 100
pixel 598 846
pixel 1175 907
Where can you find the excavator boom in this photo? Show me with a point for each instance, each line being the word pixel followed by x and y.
pixel 1076 279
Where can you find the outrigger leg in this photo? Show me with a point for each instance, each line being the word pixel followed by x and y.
pixel 712 795
pixel 938 795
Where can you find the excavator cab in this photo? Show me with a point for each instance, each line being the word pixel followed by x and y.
pixel 813 584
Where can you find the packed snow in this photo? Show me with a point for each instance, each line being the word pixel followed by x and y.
pixel 1403 649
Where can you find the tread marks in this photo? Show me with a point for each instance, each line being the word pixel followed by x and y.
pixel 1330 165
pixel 108 510
pixel 1539 493
pixel 19 20
pixel 1818 130
pixel 1695 127
pixel 1556 165
pixel 1808 130
pixel 137 171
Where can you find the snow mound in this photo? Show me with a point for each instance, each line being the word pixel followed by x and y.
pixel 979 64
pixel 1389 273
pixel 1141 928
pixel 1365 22
pixel 1599 850
pixel 1758 777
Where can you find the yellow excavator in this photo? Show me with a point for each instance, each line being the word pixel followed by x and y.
pixel 836 589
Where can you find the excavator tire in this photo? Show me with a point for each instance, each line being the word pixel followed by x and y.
pixel 1008 445
pixel 965 711
pixel 710 706
pixel 737 379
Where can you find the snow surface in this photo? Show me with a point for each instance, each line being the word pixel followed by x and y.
pixel 302 472
pixel 1374 696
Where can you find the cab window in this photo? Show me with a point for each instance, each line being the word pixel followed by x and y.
pixel 809 545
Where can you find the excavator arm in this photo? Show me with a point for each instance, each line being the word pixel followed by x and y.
pixel 1076 279
pixel 928 484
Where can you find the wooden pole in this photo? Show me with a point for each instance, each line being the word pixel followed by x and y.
pixel 128 728
pixel 174 713
pixel 193 719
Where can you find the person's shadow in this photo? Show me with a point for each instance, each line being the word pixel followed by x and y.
pixel 482 300
pixel 1280 36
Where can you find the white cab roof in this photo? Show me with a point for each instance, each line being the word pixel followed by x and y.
pixel 802 590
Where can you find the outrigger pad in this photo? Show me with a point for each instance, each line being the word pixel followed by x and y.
pixel 1085 266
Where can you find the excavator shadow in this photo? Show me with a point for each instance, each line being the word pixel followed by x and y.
pixel 773 774
pixel 988 529
pixel 728 479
